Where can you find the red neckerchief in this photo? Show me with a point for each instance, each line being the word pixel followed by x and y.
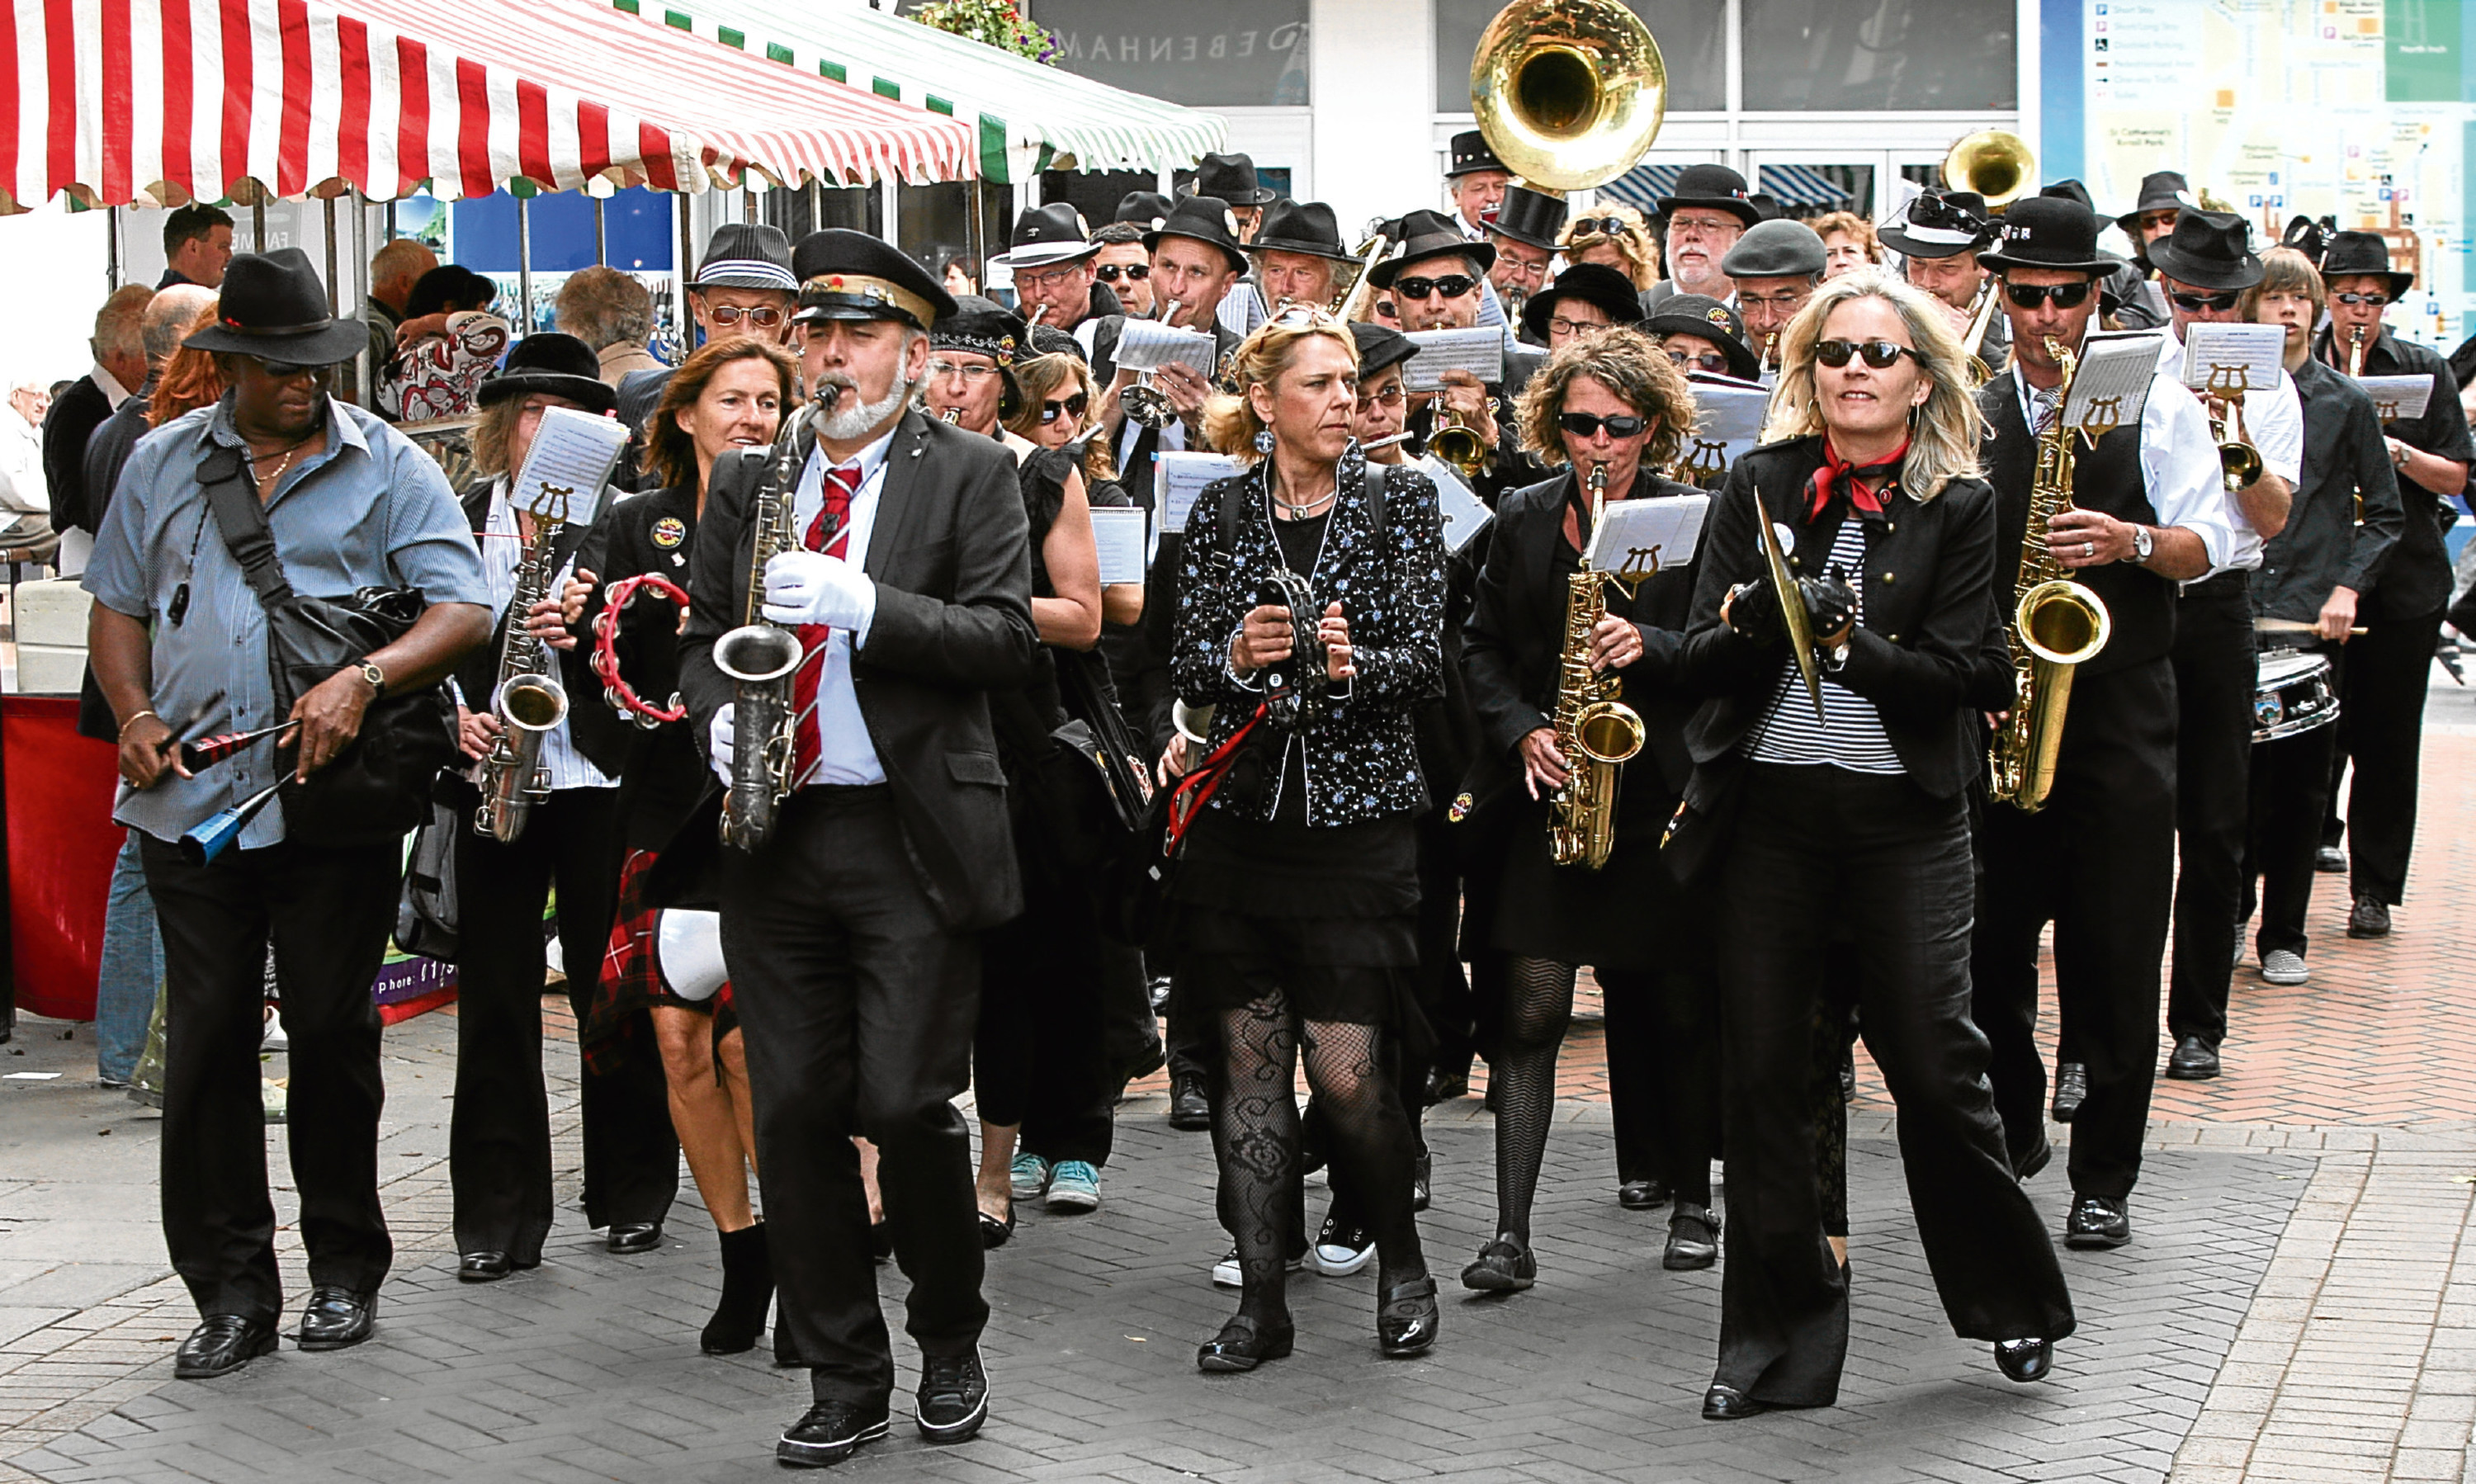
pixel 1838 479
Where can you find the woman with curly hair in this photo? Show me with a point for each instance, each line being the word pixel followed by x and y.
pixel 1848 243
pixel 1614 236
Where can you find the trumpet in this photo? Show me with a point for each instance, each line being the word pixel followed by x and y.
pixel 1352 302
pixel 1144 401
pixel 1973 341
pixel 2356 369
pixel 2239 461
pixel 1456 441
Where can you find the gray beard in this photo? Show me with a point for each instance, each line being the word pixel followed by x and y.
pixel 848 421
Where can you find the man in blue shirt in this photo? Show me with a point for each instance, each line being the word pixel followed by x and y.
pixel 179 643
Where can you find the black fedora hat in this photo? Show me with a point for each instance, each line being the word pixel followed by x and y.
pixel 1379 346
pixel 1141 208
pixel 1939 224
pixel 746 255
pixel 1233 178
pixel 2048 232
pixel 1715 187
pixel 1530 217
pixel 1048 235
pixel 2207 249
pixel 1429 235
pixel 850 275
pixel 2161 190
pixel 2069 188
pixel 1204 219
pixel 2350 252
pixel 1471 155
pixel 1588 283
pixel 1699 314
pixel 274 308
pixel 1306 227
pixel 561 365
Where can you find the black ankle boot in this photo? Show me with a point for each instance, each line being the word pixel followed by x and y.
pixel 747 1293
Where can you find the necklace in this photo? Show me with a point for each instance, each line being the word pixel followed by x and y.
pixel 1305 510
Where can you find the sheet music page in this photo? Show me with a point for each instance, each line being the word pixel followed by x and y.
pixel 1478 350
pixel 1728 422
pixel 1642 536
pixel 2234 358
pixel 1177 478
pixel 1148 345
pixel 2111 384
pixel 569 465
pixel 2397 396
pixel 1463 512
pixel 1118 535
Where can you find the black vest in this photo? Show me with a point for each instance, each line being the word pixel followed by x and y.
pixel 2105 477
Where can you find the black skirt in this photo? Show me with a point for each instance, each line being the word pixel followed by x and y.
pixel 1327 916
pixel 1612 918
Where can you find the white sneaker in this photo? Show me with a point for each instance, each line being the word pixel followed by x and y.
pixel 2280 967
pixel 273 1039
pixel 1226 1273
pixel 1341 1250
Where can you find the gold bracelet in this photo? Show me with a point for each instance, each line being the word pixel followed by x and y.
pixel 134 720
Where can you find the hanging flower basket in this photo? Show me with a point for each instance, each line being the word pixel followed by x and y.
pixel 992 22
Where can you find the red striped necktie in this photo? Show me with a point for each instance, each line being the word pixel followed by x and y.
pixel 830 533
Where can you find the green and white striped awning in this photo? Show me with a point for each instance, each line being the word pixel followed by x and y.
pixel 1030 117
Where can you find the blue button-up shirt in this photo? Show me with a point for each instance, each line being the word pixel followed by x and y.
pixel 370 510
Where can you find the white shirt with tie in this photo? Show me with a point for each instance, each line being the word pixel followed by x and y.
pixel 846 754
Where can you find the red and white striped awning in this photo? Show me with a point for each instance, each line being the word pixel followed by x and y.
pixel 157 102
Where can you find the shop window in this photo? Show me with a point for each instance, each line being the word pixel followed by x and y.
pixel 1229 53
pixel 1809 55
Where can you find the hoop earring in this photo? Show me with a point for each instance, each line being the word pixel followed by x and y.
pixel 1264 441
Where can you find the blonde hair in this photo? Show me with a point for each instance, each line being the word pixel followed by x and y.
pixel 1944 433
pixel 1852 225
pixel 1634 243
pixel 1230 422
pixel 1055 372
pixel 1627 362
pixel 2285 271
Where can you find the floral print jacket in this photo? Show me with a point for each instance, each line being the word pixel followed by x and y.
pixel 1361 760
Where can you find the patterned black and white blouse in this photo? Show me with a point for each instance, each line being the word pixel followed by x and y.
pixel 1360 759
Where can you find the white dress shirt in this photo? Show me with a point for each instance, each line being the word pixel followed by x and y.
pixel 503 551
pixel 846 753
pixel 2179 465
pixel 2273 421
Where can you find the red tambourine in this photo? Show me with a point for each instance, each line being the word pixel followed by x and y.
pixel 615 688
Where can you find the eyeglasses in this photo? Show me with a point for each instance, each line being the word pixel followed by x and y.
pixel 1132 272
pixel 725 315
pixel 1877 354
pixel 1704 360
pixel 1560 325
pixel 2375 300
pixel 2063 296
pixel 970 374
pixel 1587 425
pixel 1072 407
pixel 1045 282
pixel 1451 286
pixel 1599 226
pixel 2197 302
pixel 1389 397
pixel 1703 229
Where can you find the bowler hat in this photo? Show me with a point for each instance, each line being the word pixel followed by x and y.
pixel 1587 282
pixel 746 255
pixel 1471 154
pixel 274 308
pixel 2161 190
pixel 558 365
pixel 2347 253
pixel 1531 217
pixel 1047 235
pixel 1776 249
pixel 1302 227
pixel 1715 187
pixel 2207 249
pixel 1699 314
pixel 1429 235
pixel 850 275
pixel 2048 232
pixel 1233 178
pixel 1206 219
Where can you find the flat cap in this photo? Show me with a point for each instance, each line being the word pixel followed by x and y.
pixel 1778 248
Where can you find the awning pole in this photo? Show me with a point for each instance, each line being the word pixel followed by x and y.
pixel 111 250
pixel 257 218
pixel 335 291
pixel 524 269
pixel 685 274
pixel 364 389
pixel 972 234
pixel 601 235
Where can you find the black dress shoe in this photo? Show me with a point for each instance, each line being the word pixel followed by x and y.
pixel 222 1343
pixel 1693 1238
pixel 337 1317
pixel 2371 918
pixel 2024 1360
pixel 1504 1266
pixel 2025 1167
pixel 1727 1404
pixel 2098 1221
pixel 829 1432
pixel 1642 1195
pixel 1423 1183
pixel 994 1233
pixel 2195 1060
pixel 1406 1317
pixel 627 1237
pixel 952 1401
pixel 2330 860
pixel 482 1266
pixel 2072 1090
pixel 1444 1086
pixel 1243 1345
pixel 1189 1108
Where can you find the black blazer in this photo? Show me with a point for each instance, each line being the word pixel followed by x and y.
pixel 1516 634
pixel 2321 546
pixel 665 776
pixel 592 726
pixel 1929 575
pixel 949 553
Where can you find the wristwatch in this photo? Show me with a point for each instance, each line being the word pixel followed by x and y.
pixel 2143 544
pixel 376 676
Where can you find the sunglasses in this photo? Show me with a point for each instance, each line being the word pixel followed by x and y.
pixel 1599 226
pixel 2063 296
pixel 1131 272
pixel 725 315
pixel 1707 361
pixel 286 370
pixel 1877 354
pixel 2197 302
pixel 1072 407
pixel 1587 425
pixel 2375 300
pixel 1451 286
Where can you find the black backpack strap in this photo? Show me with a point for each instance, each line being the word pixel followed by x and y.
pixel 242 521
pixel 1375 496
pixel 1232 512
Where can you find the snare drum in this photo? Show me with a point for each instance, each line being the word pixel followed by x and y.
pixel 2292 695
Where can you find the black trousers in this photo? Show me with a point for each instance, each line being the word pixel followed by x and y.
pixel 328 913
pixel 1663 1042
pixel 858 1004
pixel 2290 789
pixel 498 1140
pixel 2098 861
pixel 1442 986
pixel 2381 729
pixel 2215 670
pixel 1041 1054
pixel 1814 846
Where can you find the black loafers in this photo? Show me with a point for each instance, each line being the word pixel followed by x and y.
pixel 337 1317
pixel 1189 1109
pixel 2072 1089
pixel 2025 1360
pixel 2098 1221
pixel 627 1237
pixel 1727 1404
pixel 1504 1266
pixel 1407 1317
pixel 1241 1346
pixel 2371 919
pixel 1693 1238
pixel 482 1266
pixel 952 1401
pixel 2330 860
pixel 2193 1060
pixel 222 1343
pixel 829 1432
pixel 1642 1195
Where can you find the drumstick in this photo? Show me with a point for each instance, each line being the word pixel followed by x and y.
pixel 209 751
pixel 2293 625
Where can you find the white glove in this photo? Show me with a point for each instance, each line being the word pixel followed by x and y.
pixel 718 743
pixel 810 588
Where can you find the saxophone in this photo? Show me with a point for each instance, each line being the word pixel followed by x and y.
pixel 1595 730
pixel 531 702
pixel 760 656
pixel 2057 624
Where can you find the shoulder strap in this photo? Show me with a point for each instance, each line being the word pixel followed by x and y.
pixel 1375 495
pixel 1232 510
pixel 242 522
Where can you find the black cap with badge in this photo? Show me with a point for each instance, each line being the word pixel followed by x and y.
pixel 1471 155
pixel 850 275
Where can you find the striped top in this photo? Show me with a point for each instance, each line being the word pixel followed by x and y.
pixel 1850 735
